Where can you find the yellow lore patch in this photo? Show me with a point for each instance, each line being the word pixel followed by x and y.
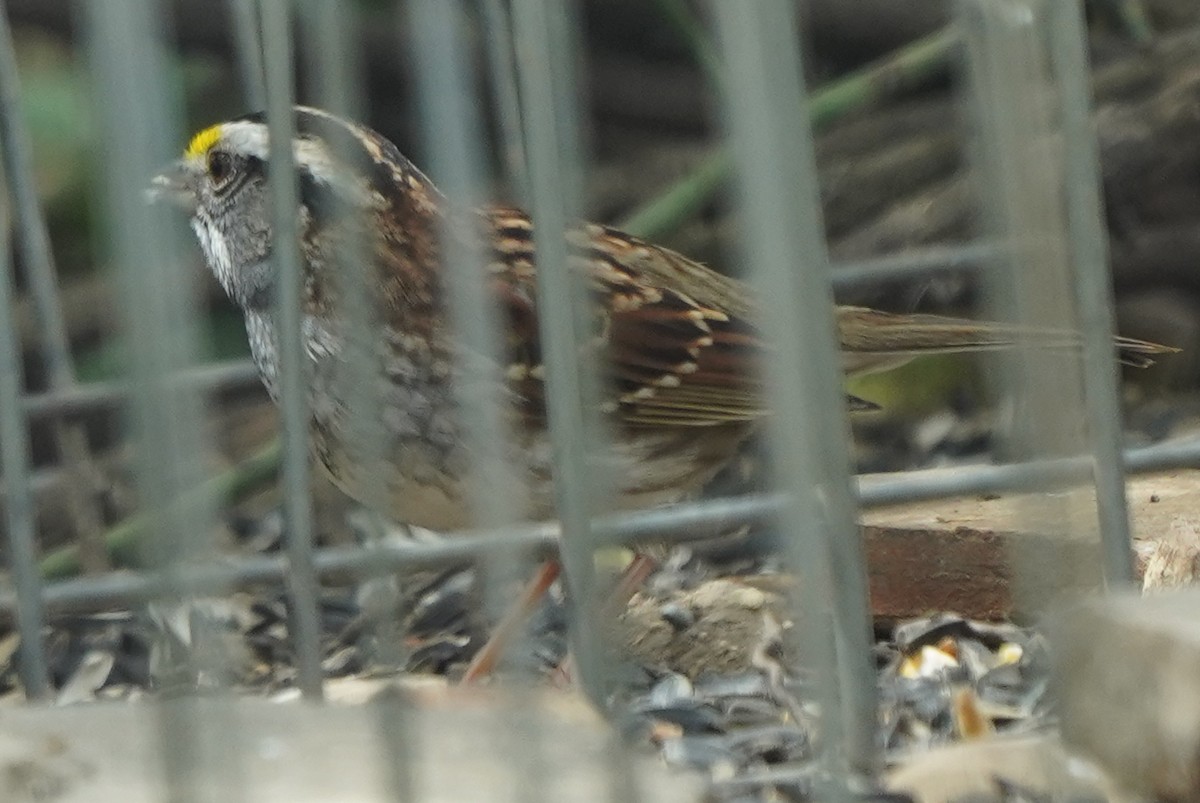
pixel 203 142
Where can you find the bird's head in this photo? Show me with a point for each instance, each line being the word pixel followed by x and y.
pixel 222 182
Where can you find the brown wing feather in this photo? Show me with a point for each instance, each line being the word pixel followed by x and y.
pixel 671 359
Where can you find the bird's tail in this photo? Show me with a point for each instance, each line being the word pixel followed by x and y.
pixel 875 341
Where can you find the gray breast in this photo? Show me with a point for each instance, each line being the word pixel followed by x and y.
pixel 414 453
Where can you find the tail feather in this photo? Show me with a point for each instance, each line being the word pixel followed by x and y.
pixel 875 341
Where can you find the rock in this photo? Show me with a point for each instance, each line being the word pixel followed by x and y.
pixel 1128 683
pixel 731 624
pixel 980 768
pixel 1173 560
pixel 449 746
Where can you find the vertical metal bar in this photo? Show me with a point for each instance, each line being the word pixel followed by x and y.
pixel 159 326
pixel 293 374
pixel 395 715
pixel 137 118
pixel 1093 291
pixel 247 39
pixel 33 236
pixel 771 140
pixel 339 76
pixel 624 773
pixel 545 47
pixel 1021 159
pixel 336 81
pixel 19 507
pixel 507 99
pixel 34 239
pixel 452 136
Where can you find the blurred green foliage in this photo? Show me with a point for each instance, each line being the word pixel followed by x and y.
pixel 222 337
pixel 58 106
pixel 58 113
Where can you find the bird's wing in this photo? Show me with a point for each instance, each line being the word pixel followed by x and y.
pixel 671 333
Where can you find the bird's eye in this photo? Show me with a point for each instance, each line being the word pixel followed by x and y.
pixel 220 168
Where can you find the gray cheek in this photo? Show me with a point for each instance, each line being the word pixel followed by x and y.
pixel 257 285
pixel 248 236
pixel 251 247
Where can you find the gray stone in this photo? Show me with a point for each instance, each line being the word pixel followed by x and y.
pixel 478 746
pixel 1128 681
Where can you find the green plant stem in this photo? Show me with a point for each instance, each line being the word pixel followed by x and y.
pixel 680 17
pixel 1132 18
pixel 684 198
pixel 905 68
pixel 123 541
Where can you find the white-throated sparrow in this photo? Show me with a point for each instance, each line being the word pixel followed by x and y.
pixel 678 340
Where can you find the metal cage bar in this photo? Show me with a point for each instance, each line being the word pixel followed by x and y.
pixel 507 100
pixel 543 34
pixel 454 141
pixel 247 30
pixel 679 524
pixel 1017 97
pixel 18 506
pixel 165 420
pixel 70 438
pixel 1093 291
pixel 784 242
pixel 335 80
pixel 294 400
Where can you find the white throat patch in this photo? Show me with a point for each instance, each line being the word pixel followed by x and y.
pixel 216 250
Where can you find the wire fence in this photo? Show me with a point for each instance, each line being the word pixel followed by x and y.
pixel 1043 254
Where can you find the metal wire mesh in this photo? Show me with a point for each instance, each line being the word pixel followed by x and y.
pixel 767 113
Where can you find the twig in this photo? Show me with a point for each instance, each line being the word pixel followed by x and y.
pixel 681 18
pixel 905 68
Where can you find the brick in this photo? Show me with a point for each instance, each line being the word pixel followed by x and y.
pixel 957 554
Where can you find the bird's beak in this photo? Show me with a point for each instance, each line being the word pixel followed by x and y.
pixel 174 185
